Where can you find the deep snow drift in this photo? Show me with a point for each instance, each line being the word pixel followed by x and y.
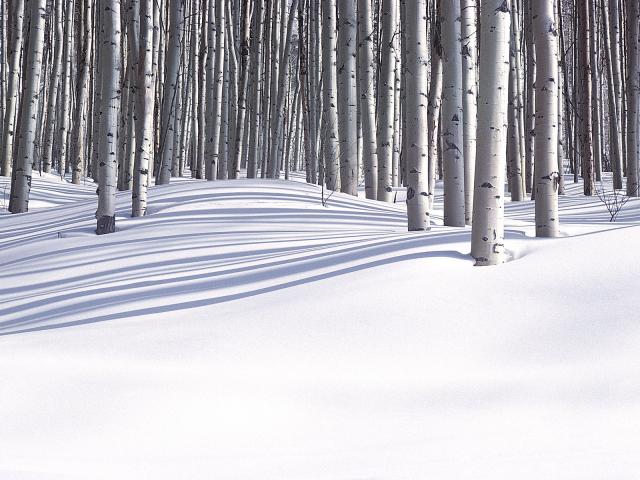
pixel 244 331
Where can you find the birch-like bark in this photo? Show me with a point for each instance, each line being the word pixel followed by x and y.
pixel 13 94
pixel 214 103
pixel 617 156
pixel 242 90
pixel 63 130
pixel 330 142
pixel 278 117
pixel 585 132
pixel 144 111
pixel 21 175
pixel 514 153
pixel 366 70
pixel 633 97
pixel 385 104
pixel 347 96
pixel 416 71
pixel 107 142
pixel 170 95
pixel 546 132
pixel 469 99
pixel 435 101
pixel 79 135
pixel 256 115
pixel 451 129
pixel 487 237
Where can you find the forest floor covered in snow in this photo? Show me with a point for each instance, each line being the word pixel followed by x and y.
pixel 242 330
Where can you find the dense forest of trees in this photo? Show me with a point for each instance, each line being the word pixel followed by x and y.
pixel 372 94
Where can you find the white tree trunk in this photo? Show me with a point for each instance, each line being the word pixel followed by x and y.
pixel 385 104
pixel 416 71
pixel 366 73
pixel 21 176
pixel 330 142
pixel 546 129
pixel 451 129
pixel 469 99
pixel 13 94
pixel 170 96
pixel 144 111
pixel 633 97
pixel 487 238
pixel 347 97
pixel 107 144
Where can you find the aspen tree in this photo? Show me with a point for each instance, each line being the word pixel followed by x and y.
pixel 633 97
pixel 13 95
pixel 330 142
pixel 487 233
pixel 110 96
pixel 145 78
pixel 214 104
pixel 469 11
pixel 347 101
pixel 242 89
pixel 417 49
pixel 385 103
pixel 366 70
pixel 170 95
pixel 435 101
pixel 21 174
pixel 546 131
pixel 584 94
pixel 78 134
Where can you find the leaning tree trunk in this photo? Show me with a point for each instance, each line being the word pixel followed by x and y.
pixel 469 99
pixel 347 97
pixel 366 73
pixel 487 234
pixel 417 51
pixel 546 130
pixel 13 94
pixel 107 133
pixel 21 176
pixel 452 116
pixel 144 111
pixel 385 104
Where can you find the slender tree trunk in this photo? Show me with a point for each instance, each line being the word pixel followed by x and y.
pixel 366 72
pixel 451 129
pixel 107 142
pixel 144 111
pixel 417 51
pixel 78 140
pixel 584 97
pixel 435 100
pixel 13 94
pixel 21 175
pixel 633 96
pixel 347 101
pixel 385 104
pixel 546 133
pixel 330 142
pixel 487 238
pixel 469 99
pixel 170 96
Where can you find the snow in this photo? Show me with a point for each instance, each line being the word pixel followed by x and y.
pixel 243 331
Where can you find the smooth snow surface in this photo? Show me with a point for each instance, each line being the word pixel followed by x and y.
pixel 243 331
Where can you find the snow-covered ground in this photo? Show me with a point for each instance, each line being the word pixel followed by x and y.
pixel 244 331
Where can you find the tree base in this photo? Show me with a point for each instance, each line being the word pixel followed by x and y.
pixel 106 224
